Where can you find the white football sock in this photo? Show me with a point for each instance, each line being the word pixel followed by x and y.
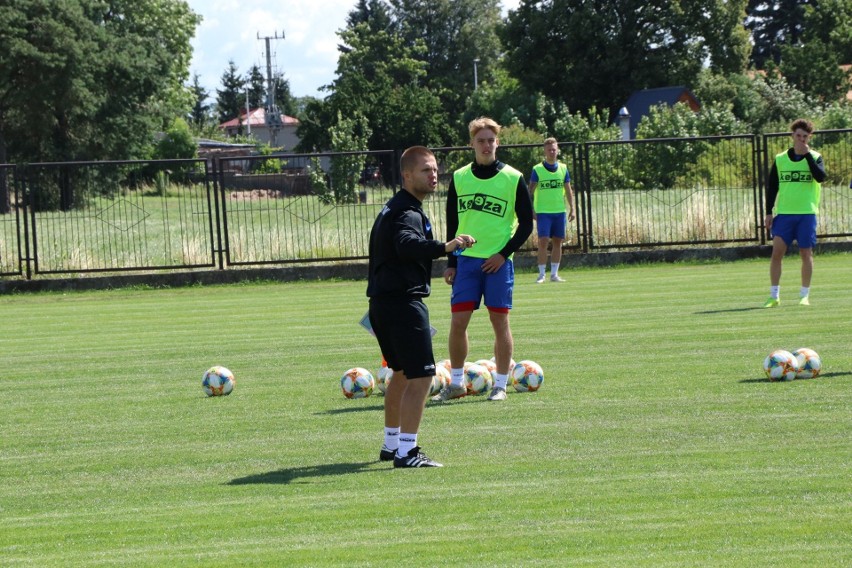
pixel 774 291
pixel 541 269
pixel 554 268
pixel 391 438
pixel 500 380
pixel 406 444
pixel 804 291
pixel 457 379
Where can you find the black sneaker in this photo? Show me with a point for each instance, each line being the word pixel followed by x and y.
pixel 415 459
pixel 385 454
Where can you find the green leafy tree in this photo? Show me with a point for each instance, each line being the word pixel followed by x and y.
pixel 85 79
pixel 348 134
pixel 177 143
pixel 589 54
pixel 284 99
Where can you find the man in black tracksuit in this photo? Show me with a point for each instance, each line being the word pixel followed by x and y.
pixel 401 254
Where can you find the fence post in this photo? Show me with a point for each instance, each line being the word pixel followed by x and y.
pixel 218 251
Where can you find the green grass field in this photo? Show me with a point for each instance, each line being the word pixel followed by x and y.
pixel 655 440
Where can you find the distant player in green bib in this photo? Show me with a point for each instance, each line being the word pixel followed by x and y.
pixel 792 194
pixel 550 182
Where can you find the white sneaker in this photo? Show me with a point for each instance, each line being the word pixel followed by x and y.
pixel 497 394
pixel 540 279
pixel 556 278
pixel 450 392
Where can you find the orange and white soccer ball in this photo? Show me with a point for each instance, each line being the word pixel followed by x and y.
pixel 440 380
pixel 527 376
pixel 357 382
pixel 781 365
pixel 478 379
pixel 809 362
pixel 383 378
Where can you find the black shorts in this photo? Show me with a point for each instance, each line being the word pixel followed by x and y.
pixel 402 328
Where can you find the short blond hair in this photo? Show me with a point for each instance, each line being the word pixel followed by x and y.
pixel 482 123
pixel 551 140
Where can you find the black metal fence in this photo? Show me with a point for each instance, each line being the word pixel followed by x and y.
pixel 77 218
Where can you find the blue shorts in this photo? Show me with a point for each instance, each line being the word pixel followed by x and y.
pixel 801 228
pixel 550 225
pixel 472 284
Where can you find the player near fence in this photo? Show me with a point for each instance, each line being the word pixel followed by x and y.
pixel 400 272
pixel 550 182
pixel 488 200
pixel 792 194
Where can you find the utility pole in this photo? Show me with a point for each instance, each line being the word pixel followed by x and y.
pixel 273 115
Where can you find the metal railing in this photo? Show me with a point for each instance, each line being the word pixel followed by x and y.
pixel 85 217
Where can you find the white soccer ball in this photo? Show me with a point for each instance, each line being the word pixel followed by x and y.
pixel 488 364
pixel 218 381
pixel 357 382
pixel 809 363
pixel 780 365
pixel 441 379
pixel 478 379
pixel 383 378
pixel 527 376
pixel 511 364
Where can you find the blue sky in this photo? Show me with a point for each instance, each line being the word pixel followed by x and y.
pixel 307 55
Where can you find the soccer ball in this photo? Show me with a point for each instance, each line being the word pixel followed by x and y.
pixel 357 382
pixel 780 365
pixel 488 364
pixel 809 363
pixel 478 379
pixel 527 376
pixel 218 381
pixel 445 364
pixel 383 378
pixel 440 380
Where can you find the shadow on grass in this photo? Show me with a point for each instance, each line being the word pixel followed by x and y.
pixel 293 474
pixel 822 376
pixel 707 312
pixel 348 409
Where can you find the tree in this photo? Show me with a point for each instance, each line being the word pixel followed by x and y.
pixel 84 79
pixel 284 99
pixel 200 113
pixel 772 25
pixel 589 54
pixel 381 78
pixel 255 84
pixel 455 33
pixel 228 99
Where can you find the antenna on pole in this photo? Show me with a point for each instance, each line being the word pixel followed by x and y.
pixel 273 115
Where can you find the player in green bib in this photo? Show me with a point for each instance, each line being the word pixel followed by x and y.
pixel 549 184
pixel 792 194
pixel 489 201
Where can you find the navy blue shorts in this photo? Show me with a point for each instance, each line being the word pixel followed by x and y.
pixel 801 228
pixel 404 334
pixel 472 284
pixel 550 225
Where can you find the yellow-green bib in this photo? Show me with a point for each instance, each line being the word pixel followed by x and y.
pixel 549 196
pixel 798 192
pixel 486 208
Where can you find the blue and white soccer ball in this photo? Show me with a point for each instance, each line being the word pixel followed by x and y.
pixel 527 376
pixel 809 362
pixel 218 381
pixel 357 382
pixel 478 379
pixel 781 365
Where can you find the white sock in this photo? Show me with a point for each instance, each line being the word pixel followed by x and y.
pixel 804 291
pixel 554 268
pixel 457 377
pixel 391 438
pixel 541 269
pixel 406 444
pixel 500 380
pixel 774 291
